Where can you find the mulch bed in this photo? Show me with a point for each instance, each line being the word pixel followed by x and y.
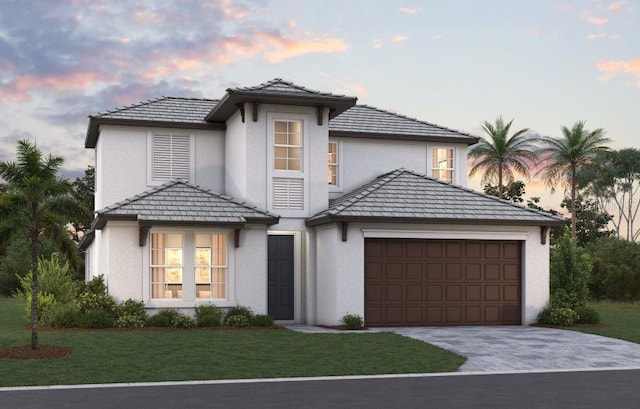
pixel 25 352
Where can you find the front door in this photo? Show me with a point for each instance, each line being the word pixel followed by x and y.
pixel 280 277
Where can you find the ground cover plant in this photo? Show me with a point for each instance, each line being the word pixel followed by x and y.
pixel 145 355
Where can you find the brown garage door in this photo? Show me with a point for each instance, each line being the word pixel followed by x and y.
pixel 441 282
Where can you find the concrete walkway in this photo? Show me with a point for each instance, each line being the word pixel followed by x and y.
pixel 515 348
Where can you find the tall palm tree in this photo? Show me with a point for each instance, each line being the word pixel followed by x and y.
pixel 564 157
pixel 500 154
pixel 37 202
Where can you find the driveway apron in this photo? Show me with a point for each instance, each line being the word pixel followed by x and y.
pixel 509 348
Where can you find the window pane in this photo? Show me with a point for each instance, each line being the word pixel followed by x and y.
pixel 281 138
pixel 295 127
pixel 280 164
pixel 295 139
pixel 280 126
pixel 280 153
pixel 166 265
pixel 294 164
pixel 294 152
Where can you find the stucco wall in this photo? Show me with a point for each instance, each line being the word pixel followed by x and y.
pixel 125 266
pixel 251 270
pixel 341 264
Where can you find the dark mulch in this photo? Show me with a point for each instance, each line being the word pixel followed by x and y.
pixel 25 352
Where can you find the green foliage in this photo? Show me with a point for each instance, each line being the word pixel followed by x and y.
pixel 261 320
pixel 94 296
pixel 131 314
pixel 61 315
pixel 83 193
pixel 238 321
pixel 512 192
pixel 616 270
pixel 570 268
pixel 591 223
pixel 560 316
pixel 353 321
pixel 163 318
pixel 208 316
pixel 15 263
pixel 97 318
pixel 588 315
pixel 239 310
pixel 182 321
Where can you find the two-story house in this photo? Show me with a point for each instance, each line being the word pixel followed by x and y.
pixel 305 206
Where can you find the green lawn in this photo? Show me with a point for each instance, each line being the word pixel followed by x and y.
pixel 618 320
pixel 102 356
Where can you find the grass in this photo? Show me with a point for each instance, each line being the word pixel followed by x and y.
pixel 105 356
pixel 618 320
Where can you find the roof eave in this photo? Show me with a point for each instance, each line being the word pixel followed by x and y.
pixel 228 104
pixel 93 131
pixel 407 137
pixel 329 218
pixel 102 219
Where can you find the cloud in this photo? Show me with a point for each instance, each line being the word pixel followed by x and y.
pixel 377 43
pixel 409 10
pixel 531 32
pixel 353 89
pixel 399 38
pixel 279 48
pixel 598 21
pixel 615 6
pixel 596 36
pixel 612 68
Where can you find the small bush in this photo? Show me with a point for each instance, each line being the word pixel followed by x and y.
pixel 238 321
pixel 62 315
pixel 94 296
pixel 560 316
pixel 208 316
pixel 587 315
pixel 353 321
pixel 261 320
pixel 238 310
pixel 181 321
pixel 131 314
pixel 163 318
pixel 98 319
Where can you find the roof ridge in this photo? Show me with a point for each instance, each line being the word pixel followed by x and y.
pixel 414 119
pixel 366 189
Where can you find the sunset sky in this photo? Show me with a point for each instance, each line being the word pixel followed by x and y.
pixel 454 63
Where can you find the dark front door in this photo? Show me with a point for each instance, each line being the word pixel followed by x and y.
pixel 280 277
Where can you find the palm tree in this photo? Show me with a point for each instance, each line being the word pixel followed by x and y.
pixel 500 154
pixel 37 202
pixel 564 157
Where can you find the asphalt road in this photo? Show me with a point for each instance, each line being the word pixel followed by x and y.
pixel 566 390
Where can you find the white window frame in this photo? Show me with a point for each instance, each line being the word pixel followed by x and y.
pixel 167 266
pixel 338 187
pixel 211 267
pixel 189 299
pixel 433 167
pixel 303 173
pixel 192 150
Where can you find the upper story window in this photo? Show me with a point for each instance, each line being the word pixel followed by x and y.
pixel 287 145
pixel 171 157
pixel 333 164
pixel 442 166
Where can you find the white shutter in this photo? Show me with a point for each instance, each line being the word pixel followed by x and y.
pixel 161 157
pixel 180 157
pixel 171 157
pixel 288 193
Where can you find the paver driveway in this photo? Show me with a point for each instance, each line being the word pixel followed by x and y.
pixel 508 348
pixel 518 348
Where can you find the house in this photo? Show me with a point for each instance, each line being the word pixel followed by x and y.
pixel 305 206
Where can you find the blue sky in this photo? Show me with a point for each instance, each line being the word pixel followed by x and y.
pixel 455 63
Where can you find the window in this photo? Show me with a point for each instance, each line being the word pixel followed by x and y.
pixel 166 265
pixel 333 163
pixel 211 266
pixel 442 165
pixel 287 145
pixel 170 157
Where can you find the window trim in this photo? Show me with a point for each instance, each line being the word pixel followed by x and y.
pixel 433 167
pixel 149 159
pixel 339 163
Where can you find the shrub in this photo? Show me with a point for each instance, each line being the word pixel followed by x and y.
pixel 587 315
pixel 239 310
pixel 181 321
pixel 208 316
pixel 163 318
pixel 616 270
pixel 131 314
pixel 261 320
pixel 560 316
pixel 570 268
pixel 97 318
pixel 62 315
pixel 353 321
pixel 238 321
pixel 94 296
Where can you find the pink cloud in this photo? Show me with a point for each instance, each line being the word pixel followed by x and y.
pixel 21 88
pixel 399 38
pixel 409 10
pixel 596 36
pixel 351 89
pixel 615 6
pixel 598 21
pixel 611 69
pixel 531 32
pixel 377 43
pixel 281 48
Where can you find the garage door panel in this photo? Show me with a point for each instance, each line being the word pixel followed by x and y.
pixel 442 282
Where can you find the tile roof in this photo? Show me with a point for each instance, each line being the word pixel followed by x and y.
pixel 182 203
pixel 406 196
pixel 278 86
pixel 165 109
pixel 364 119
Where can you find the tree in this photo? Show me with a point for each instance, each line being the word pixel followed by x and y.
pixel 564 157
pixel 591 223
pixel 500 155
pixel 36 194
pixel 513 192
pixel 83 193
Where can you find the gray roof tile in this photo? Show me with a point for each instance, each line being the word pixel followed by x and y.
pixel 407 195
pixel 278 86
pixel 181 202
pixel 165 109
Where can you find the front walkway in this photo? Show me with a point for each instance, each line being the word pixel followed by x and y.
pixel 516 348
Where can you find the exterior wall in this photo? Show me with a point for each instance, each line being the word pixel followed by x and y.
pixel 340 274
pixel 124 267
pixel 251 270
pixel 122 161
pixel 362 160
pixel 235 176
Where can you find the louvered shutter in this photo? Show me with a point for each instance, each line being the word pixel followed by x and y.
pixel 171 157
pixel 180 157
pixel 288 193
